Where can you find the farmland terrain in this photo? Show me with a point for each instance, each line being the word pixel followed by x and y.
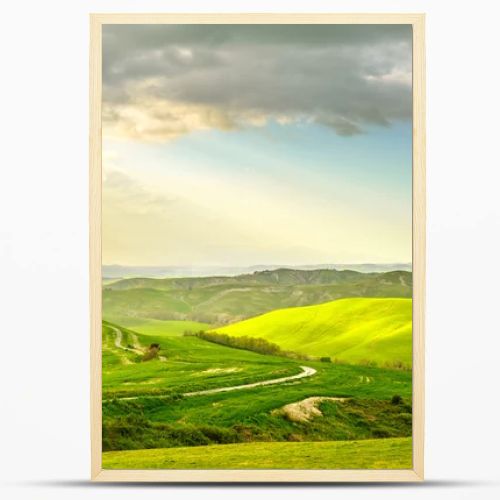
pixel 225 299
pixel 374 331
pixel 302 386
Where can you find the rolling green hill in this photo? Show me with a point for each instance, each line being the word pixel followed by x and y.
pixel 179 404
pixel 282 276
pixel 145 405
pixel 220 300
pixel 360 330
pixel 189 364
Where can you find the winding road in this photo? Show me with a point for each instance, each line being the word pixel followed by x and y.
pixel 307 371
pixel 119 338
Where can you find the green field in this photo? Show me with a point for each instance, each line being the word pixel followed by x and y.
pixel 158 327
pixel 145 404
pixel 189 364
pixel 352 412
pixel 368 454
pixel 349 330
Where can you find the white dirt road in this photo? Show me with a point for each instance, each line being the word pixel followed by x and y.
pixel 119 339
pixel 307 371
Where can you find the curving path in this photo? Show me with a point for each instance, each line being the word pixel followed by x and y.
pixel 307 371
pixel 135 342
pixel 119 338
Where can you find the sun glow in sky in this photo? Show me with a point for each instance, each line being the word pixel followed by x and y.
pixel 244 145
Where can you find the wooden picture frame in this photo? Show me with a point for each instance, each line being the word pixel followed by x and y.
pixel 414 474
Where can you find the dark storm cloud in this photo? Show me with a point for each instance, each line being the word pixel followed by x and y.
pixel 341 76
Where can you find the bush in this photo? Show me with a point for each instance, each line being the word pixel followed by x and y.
pixel 325 359
pixel 396 399
pixel 249 343
pixel 381 433
pixel 219 435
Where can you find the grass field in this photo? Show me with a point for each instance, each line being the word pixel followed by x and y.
pixel 349 416
pixel 157 327
pixel 160 416
pixel 368 454
pixel 228 299
pixel 350 330
pixel 190 364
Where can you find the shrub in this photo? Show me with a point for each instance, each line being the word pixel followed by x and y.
pixel 325 359
pixel 381 433
pixel 249 343
pixel 396 399
pixel 219 435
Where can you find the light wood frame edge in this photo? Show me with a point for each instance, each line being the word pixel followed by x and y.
pixel 95 255
pixel 419 247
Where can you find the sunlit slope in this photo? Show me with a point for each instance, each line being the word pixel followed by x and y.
pixel 357 330
pixel 224 300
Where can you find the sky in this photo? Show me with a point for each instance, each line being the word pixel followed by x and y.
pixel 256 144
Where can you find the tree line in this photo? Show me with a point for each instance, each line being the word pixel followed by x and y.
pixel 258 345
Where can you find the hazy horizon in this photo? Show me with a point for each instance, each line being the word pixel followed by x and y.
pixel 284 264
pixel 114 271
pixel 233 145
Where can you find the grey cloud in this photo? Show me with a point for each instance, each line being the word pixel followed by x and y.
pixel 124 37
pixel 341 76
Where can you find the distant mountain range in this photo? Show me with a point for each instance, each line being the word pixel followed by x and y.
pixel 112 272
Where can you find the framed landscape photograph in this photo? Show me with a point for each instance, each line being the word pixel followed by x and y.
pixel 257 247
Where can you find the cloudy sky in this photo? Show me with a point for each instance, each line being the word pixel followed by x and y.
pixel 256 144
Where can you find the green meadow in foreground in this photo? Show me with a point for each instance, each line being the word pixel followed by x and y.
pixel 146 406
pixel 350 330
pixel 367 454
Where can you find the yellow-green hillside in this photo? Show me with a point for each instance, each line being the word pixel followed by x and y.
pixel 358 330
pixel 365 454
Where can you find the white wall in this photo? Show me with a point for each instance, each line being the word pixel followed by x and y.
pixel 44 445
